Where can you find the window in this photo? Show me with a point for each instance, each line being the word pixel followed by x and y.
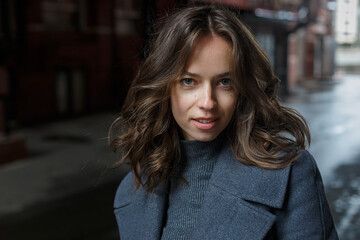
pixel 61 14
pixel 127 17
pixel 70 91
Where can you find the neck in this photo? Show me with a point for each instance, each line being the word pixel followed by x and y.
pixel 201 150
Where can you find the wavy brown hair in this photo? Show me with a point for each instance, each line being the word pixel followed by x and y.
pixel 262 132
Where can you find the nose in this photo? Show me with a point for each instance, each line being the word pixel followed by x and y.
pixel 207 99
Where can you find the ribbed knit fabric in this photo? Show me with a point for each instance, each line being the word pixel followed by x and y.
pixel 185 200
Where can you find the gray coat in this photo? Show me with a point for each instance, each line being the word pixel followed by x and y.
pixel 241 202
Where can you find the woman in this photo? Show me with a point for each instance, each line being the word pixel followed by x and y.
pixel 213 153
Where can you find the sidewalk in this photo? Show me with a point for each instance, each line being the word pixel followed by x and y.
pixel 66 172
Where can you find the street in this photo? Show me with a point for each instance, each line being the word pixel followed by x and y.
pixel 332 110
pixel 64 189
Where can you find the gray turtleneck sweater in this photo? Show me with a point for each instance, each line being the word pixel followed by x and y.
pixel 185 200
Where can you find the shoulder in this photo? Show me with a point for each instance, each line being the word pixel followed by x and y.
pixel 305 178
pixel 305 162
pixel 305 205
pixel 304 174
pixel 125 191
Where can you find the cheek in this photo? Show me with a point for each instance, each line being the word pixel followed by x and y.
pixel 229 103
pixel 178 103
pixel 181 102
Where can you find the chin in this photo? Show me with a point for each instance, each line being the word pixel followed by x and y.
pixel 204 137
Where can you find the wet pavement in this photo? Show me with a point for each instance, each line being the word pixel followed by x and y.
pixel 332 108
pixel 64 189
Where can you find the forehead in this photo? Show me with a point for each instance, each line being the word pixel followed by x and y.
pixel 212 53
pixel 211 42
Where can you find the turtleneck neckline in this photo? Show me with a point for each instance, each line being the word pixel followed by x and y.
pixel 201 150
pixel 185 199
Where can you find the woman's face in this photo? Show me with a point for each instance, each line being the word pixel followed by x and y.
pixel 203 99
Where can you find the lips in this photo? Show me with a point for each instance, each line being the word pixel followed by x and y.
pixel 205 123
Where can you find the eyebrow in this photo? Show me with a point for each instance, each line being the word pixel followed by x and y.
pixel 225 74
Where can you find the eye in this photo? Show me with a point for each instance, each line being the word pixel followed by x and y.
pixel 225 82
pixel 187 81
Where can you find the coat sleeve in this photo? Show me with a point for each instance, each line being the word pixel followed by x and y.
pixel 306 213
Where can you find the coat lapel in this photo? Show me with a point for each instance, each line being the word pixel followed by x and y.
pixel 238 202
pixel 154 213
pixel 251 183
pixel 140 215
pixel 226 216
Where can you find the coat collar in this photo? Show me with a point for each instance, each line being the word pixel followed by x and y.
pixel 238 201
pixel 238 197
pixel 251 183
pixel 139 214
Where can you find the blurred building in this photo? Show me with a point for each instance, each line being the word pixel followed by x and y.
pixel 296 34
pixel 70 56
pixel 11 147
pixel 347 35
pixel 64 58
pixel 346 21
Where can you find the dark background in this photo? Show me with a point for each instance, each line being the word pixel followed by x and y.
pixel 65 68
